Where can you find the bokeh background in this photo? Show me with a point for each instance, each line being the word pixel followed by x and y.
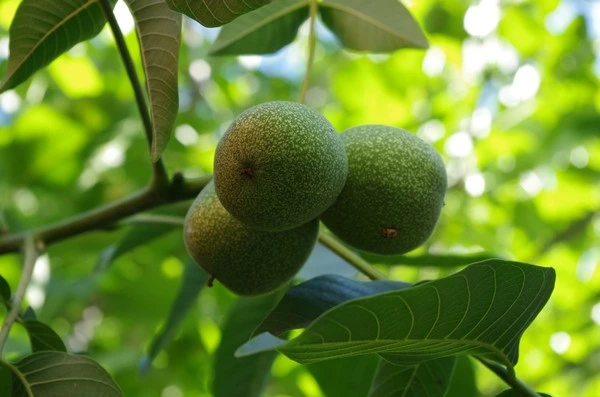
pixel 508 93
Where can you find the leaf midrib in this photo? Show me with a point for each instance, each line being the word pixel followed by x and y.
pixel 50 32
pixel 266 21
pixel 363 17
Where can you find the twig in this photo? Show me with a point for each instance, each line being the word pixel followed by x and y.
pixel 160 176
pixel 509 377
pixel 31 254
pixel 353 259
pixel 312 42
pixel 179 189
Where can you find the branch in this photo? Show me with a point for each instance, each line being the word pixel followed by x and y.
pixel 312 42
pixel 159 172
pixel 352 258
pixel 509 377
pixel 177 189
pixel 31 254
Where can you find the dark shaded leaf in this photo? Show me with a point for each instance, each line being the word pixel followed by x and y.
pixel 42 337
pixel 5 379
pixel 64 375
pixel 250 372
pixel 463 381
pixel 192 282
pixel 307 301
pixel 159 33
pixel 483 310
pixel 44 29
pixel 212 13
pixel 349 376
pixel 5 293
pixel 430 378
pixel 139 234
pixel 372 25
pixel 262 31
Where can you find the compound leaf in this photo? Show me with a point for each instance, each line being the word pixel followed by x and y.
pixel 44 29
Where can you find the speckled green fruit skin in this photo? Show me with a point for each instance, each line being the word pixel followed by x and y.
pixel 279 165
pixel 394 192
pixel 246 261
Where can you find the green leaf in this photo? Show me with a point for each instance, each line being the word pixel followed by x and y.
pixel 350 376
pixel 5 293
pixel 262 31
pixel 145 229
pixel 42 337
pixel 44 29
pixel 483 310
pixel 212 13
pixel 428 260
pixel 192 282
pixel 463 381
pixel 250 372
pixel 64 375
pixel 307 301
pixel 159 33
pixel 5 379
pixel 372 25
pixel 514 393
pixel 430 378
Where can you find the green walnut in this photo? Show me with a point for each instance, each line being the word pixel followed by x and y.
pixel 246 261
pixel 279 165
pixel 394 191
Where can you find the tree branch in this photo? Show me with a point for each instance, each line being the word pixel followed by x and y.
pixel 160 176
pixel 509 377
pixel 153 196
pixel 312 42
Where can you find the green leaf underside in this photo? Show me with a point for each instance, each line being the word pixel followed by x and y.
pixel 481 310
pixel 348 376
pixel 372 25
pixel 65 375
pixel 4 290
pixel 213 13
pixel 430 378
pixel 463 382
pixel 42 337
pixel 251 373
pixel 307 301
pixel 192 282
pixel 262 31
pixel 44 29
pixel 159 33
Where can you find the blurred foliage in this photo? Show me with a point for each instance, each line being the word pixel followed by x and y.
pixel 508 92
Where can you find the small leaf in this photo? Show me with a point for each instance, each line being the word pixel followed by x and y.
pixel 139 234
pixel 192 282
pixel 159 33
pixel 372 25
pixel 483 310
pixel 250 372
pixel 350 376
pixel 514 393
pixel 262 31
pixel 430 378
pixel 463 382
pixel 213 13
pixel 307 301
pixel 64 375
pixel 44 29
pixel 5 293
pixel 42 337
